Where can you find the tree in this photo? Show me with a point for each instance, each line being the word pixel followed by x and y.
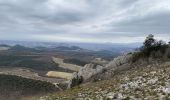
pixel 149 41
pixel 160 43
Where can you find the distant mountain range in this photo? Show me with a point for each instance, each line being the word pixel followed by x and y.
pixel 113 47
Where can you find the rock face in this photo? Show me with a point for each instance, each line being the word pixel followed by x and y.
pixel 89 70
pixel 121 60
pixel 116 65
pixel 85 73
pixel 97 71
pixel 76 80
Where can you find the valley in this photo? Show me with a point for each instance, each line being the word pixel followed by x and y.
pixel 84 50
pixel 54 65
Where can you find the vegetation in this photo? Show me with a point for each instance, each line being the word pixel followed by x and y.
pixel 67 66
pixel 137 83
pixel 28 62
pixel 17 86
pixel 151 48
pixel 76 81
pixel 68 48
pixel 38 64
pixel 75 61
pixel 19 48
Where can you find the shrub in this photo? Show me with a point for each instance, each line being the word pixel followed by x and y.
pixel 76 81
pixel 151 48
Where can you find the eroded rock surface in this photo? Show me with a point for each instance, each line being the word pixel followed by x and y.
pixel 94 71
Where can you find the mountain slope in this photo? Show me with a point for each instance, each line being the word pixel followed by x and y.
pixel 144 82
pixel 15 87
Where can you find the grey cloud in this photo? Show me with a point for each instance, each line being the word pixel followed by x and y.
pixel 86 19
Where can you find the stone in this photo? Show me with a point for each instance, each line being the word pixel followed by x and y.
pixel 166 90
pixel 75 80
pixel 110 96
pixel 120 60
pixel 89 70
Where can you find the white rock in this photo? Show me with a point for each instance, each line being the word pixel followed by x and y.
pixel 152 81
pixel 166 90
pixel 110 95
pixel 89 70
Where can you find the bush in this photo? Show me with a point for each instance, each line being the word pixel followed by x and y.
pixel 76 81
pixel 151 48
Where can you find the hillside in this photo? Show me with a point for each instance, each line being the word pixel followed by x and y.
pixel 147 82
pixel 61 64
pixel 144 74
pixel 15 88
pixel 79 74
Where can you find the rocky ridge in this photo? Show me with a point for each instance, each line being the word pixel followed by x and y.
pixel 145 82
pixel 91 72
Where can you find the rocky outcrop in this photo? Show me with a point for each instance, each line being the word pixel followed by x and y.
pixel 151 82
pixel 89 70
pixel 120 60
pixel 85 73
pixel 97 71
pixel 76 80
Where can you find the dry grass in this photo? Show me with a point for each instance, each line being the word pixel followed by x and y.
pixel 59 74
pixel 66 65
pixel 3 48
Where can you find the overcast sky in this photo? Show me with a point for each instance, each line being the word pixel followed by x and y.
pixel 117 21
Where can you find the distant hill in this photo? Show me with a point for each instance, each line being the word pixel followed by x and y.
pixel 4 45
pixel 19 48
pixel 65 48
pixel 88 46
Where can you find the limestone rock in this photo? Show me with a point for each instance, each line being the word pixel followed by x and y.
pixel 89 70
pixel 75 80
pixel 85 73
pixel 119 61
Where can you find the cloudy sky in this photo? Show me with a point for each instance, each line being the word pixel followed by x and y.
pixel 117 21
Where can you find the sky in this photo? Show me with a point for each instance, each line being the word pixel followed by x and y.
pixel 99 21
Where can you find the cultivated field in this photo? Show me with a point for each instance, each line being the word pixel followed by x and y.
pixel 57 74
pixel 4 48
pixel 26 73
pixel 66 65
